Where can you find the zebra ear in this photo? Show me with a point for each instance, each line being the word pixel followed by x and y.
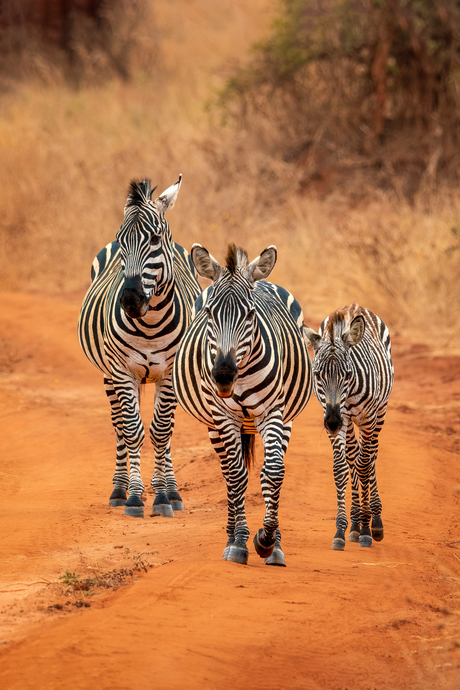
pixel 354 334
pixel 167 200
pixel 262 266
pixel 205 264
pixel 311 337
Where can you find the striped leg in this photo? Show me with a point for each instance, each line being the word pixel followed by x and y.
pixel 341 480
pixel 352 455
pixel 230 434
pixel 375 502
pixel 364 468
pixel 220 450
pixel 127 392
pixel 163 480
pixel 121 477
pixel 275 436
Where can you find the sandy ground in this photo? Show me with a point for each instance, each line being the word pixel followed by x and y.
pixel 151 602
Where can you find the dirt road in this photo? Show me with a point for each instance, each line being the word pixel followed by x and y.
pixel 150 602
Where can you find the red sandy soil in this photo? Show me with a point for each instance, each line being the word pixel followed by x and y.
pixel 176 616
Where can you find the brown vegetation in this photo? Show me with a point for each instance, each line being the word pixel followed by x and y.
pixel 68 155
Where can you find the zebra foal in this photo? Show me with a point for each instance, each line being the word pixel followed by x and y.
pixel 241 368
pixel 131 321
pixel 352 379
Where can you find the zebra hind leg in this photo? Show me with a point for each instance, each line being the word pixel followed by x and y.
pixel 118 497
pixel 163 481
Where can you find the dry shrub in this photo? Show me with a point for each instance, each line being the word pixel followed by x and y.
pixel 68 157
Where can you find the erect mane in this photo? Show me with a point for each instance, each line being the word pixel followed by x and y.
pixel 139 192
pixel 236 258
pixel 339 321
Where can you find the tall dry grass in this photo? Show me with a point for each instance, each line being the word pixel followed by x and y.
pixel 67 157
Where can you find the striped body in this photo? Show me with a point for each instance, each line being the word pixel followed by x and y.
pixel 132 319
pixel 248 333
pixel 353 378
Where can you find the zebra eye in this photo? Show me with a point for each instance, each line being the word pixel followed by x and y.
pixel 154 239
pixel 316 374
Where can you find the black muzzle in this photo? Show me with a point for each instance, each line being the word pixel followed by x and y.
pixel 225 373
pixel 333 420
pixel 133 298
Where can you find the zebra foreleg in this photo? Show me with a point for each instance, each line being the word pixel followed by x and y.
pixel 163 481
pixel 236 476
pixel 375 502
pixel 275 438
pixel 220 450
pixel 364 469
pixel 352 453
pixel 133 433
pixel 121 477
pixel 341 480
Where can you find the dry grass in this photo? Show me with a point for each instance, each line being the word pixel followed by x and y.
pixel 68 156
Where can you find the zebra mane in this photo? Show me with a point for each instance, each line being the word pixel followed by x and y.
pixel 236 258
pixel 339 321
pixel 140 191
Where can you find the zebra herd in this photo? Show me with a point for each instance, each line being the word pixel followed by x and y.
pixel 235 357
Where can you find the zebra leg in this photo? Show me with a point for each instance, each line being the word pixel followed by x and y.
pixel 275 436
pixel 375 502
pixel 277 557
pixel 127 391
pixel 121 477
pixel 220 450
pixel 341 480
pixel 352 453
pixel 364 469
pixel 234 468
pixel 163 481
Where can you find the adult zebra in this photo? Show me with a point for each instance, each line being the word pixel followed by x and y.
pixel 131 321
pixel 243 367
pixel 353 378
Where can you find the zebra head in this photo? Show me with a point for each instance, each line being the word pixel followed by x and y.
pixel 333 367
pixel 231 309
pixel 146 246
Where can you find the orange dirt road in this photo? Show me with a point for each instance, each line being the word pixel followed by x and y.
pixel 363 619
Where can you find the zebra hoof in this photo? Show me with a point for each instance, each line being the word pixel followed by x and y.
pixel 277 557
pixel 164 509
pixel 175 500
pixel 365 540
pixel 117 498
pixel 354 536
pixel 377 528
pixel 263 550
pixel 338 544
pixel 237 554
pixel 227 550
pixel 134 511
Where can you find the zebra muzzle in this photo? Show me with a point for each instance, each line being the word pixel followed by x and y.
pixel 225 373
pixel 133 299
pixel 333 419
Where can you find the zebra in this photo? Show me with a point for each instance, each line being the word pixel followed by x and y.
pixel 131 321
pixel 241 368
pixel 352 379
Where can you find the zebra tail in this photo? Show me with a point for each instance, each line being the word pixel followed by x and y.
pixel 248 443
